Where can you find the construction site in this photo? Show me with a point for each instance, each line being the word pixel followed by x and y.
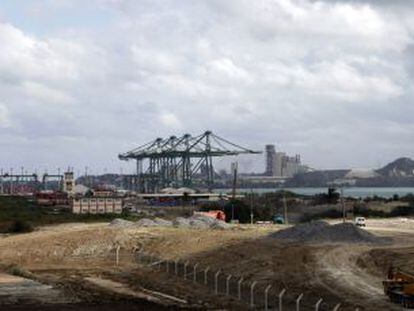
pixel 151 266
pixel 164 245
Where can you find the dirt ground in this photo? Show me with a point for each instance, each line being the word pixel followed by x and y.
pixel 78 262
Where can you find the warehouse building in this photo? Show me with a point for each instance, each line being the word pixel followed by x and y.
pixel 97 205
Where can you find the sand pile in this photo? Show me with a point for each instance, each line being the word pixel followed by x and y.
pixel 320 231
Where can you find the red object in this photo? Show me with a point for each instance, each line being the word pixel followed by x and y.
pixel 52 198
pixel 220 215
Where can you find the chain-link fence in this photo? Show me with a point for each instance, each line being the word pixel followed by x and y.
pixel 256 294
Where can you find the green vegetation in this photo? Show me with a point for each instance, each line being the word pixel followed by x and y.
pixel 330 213
pixel 396 212
pixel 18 214
pixel 18 271
pixel 20 226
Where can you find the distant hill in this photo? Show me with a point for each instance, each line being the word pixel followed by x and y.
pixel 402 167
pixel 399 173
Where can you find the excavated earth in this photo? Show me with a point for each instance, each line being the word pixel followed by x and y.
pixel 73 267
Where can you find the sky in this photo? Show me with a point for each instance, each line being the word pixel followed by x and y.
pixel 82 81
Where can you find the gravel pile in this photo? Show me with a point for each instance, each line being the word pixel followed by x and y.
pixel 194 222
pixel 118 222
pixel 320 231
pixel 200 222
pixel 145 222
pixel 181 222
pixel 163 222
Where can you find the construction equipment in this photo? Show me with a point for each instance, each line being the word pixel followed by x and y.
pixel 180 161
pixel 399 287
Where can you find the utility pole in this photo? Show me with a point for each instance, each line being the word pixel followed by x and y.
pixel 60 185
pixel 234 169
pixel 343 204
pixel 11 181
pixel 285 212
pixel 1 180
pixel 251 205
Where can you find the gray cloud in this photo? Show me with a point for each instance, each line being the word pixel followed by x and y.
pixel 330 80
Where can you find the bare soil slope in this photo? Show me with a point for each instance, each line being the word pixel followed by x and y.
pixel 67 256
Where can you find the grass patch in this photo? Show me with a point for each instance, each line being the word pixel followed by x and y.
pixel 19 271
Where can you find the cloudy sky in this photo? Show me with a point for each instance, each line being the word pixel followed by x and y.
pixel 81 81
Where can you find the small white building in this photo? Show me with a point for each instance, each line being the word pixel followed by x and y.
pixel 97 205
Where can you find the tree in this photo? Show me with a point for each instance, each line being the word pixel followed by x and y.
pixel 240 209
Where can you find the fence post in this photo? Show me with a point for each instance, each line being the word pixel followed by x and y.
pixel 239 284
pixel 185 270
pixel 228 284
pixel 266 295
pixel 117 254
pixel 176 267
pixel 298 302
pixel 252 293
pixel 337 307
pixel 281 299
pixel 139 255
pixel 216 281
pixel 168 266
pixel 317 304
pixel 195 273
pixel 205 275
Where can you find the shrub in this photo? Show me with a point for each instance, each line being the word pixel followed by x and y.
pixel 402 211
pixel 20 226
pixel 331 213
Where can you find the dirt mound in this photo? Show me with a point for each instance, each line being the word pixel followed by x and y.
pixel 320 231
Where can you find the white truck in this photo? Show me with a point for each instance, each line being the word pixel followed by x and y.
pixel 360 221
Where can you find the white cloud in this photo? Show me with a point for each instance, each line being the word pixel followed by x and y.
pixel 45 94
pixel 171 121
pixel 25 57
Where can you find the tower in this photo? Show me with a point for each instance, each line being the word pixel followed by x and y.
pixel 270 160
pixel 69 183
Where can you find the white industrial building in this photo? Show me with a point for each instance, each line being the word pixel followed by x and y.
pixel 280 164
